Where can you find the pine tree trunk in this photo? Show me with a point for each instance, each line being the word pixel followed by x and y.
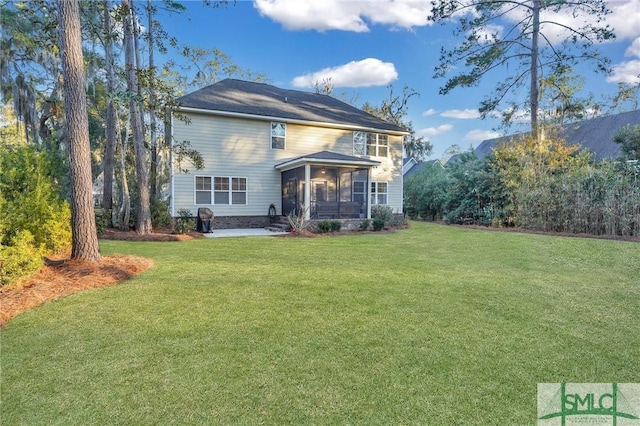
pixel 534 92
pixel 109 155
pixel 152 114
pixel 143 211
pixel 84 242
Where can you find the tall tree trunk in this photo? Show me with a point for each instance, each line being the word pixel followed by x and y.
pixel 152 102
pixel 143 216
pixel 84 241
pixel 110 125
pixel 125 207
pixel 534 92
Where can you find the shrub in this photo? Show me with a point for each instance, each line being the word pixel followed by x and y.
pixel 298 222
pixel 103 219
pixel 378 225
pixel 160 216
pixel 364 225
pixel 20 258
pixel 324 226
pixel 329 226
pixel 185 222
pixel 36 220
pixel 383 213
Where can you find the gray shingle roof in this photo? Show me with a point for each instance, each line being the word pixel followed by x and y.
pixel 259 99
pixel 419 167
pixel 329 157
pixel 595 135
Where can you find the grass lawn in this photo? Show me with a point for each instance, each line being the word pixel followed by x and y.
pixel 431 325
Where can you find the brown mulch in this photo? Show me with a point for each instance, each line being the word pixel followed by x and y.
pixel 60 278
pixel 156 235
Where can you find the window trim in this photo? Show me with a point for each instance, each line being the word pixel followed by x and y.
pixel 375 193
pixel 273 126
pixel 197 190
pixel 359 147
pixel 362 147
pixel 230 191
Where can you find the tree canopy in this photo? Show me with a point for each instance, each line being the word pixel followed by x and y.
pixel 530 38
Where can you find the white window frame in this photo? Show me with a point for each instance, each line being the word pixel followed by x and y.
pixel 244 191
pixel 378 142
pixel 201 189
pixel 230 190
pixel 376 193
pixel 277 134
pixel 362 193
pixel 359 143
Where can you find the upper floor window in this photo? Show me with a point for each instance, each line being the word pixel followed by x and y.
pixel 377 145
pixel 359 143
pixel 373 144
pixel 278 135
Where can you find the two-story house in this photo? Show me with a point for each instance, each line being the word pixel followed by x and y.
pixel 268 150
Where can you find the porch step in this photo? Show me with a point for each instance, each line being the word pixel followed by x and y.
pixel 279 224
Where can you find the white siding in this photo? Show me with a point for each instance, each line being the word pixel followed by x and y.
pixel 237 147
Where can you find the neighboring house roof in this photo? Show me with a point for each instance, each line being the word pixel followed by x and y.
pixel 595 135
pixel 246 98
pixel 419 167
pixel 327 157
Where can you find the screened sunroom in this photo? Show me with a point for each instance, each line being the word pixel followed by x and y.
pixel 327 185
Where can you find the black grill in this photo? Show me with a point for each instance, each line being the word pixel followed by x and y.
pixel 205 220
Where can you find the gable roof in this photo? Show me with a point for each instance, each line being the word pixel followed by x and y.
pixel 595 135
pixel 419 167
pixel 246 98
pixel 329 158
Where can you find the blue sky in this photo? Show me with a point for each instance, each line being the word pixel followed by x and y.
pixel 367 45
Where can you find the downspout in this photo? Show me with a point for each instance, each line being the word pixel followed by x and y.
pixel 168 133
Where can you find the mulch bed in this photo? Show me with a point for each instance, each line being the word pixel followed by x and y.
pixel 156 235
pixel 63 277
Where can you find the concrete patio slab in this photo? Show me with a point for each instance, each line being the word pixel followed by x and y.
pixel 252 232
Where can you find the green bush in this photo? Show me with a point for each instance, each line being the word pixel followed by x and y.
pixel 103 219
pixel 160 216
pixel 329 226
pixel 20 258
pixel 383 213
pixel 378 225
pixel 185 222
pixel 324 226
pixel 36 221
pixel 364 225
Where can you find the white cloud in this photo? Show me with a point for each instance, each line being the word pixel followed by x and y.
pixel 624 18
pixel 365 73
pixel 626 72
pixel 429 112
pixel 480 135
pixel 434 131
pixel 634 49
pixel 461 113
pixel 489 32
pixel 344 15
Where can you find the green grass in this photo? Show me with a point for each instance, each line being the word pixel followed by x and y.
pixel 432 325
